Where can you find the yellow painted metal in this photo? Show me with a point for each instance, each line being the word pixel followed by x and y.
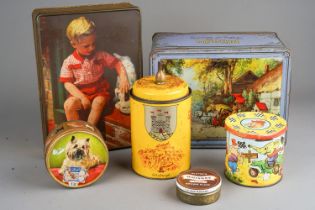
pixel 255 148
pixel 160 130
pixel 173 88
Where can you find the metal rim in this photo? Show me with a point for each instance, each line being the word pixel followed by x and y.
pixel 55 140
pixel 160 102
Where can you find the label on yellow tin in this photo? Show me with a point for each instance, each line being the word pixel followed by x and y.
pixel 160 138
pixel 160 122
pixel 162 158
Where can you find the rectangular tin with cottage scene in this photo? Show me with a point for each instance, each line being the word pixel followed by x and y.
pixel 87 60
pixel 228 73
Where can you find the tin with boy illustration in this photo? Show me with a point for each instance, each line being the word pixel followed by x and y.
pixel 87 59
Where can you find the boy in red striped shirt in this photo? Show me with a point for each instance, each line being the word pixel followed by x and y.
pixel 82 72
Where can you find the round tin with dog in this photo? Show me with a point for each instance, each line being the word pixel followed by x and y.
pixel 255 148
pixel 75 154
pixel 160 126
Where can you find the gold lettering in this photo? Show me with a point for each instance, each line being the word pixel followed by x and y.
pixel 218 41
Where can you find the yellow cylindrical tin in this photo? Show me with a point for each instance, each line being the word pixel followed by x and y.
pixel 160 127
pixel 254 148
pixel 75 154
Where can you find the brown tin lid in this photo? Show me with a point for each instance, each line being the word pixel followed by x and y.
pixel 199 181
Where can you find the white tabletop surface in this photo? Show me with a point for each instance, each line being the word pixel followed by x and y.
pixel 25 183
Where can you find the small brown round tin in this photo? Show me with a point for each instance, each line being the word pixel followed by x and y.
pixel 198 186
pixel 75 154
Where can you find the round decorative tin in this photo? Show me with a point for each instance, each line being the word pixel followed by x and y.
pixel 198 186
pixel 160 126
pixel 255 148
pixel 75 154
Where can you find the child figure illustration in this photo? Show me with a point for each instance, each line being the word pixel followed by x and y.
pixel 233 156
pixel 82 72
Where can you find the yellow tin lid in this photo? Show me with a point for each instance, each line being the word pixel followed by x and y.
pixel 171 88
pixel 256 125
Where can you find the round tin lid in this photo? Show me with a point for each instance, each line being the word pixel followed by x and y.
pixel 172 88
pixel 256 125
pixel 198 181
pixel 76 158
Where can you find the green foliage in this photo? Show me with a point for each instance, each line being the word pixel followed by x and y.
pixel 250 99
pixel 256 65
pixel 197 96
pixel 244 94
pixel 229 100
pixel 232 177
pixel 218 64
pixel 212 76
pixel 172 66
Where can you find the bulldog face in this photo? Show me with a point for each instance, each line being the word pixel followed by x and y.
pixel 78 149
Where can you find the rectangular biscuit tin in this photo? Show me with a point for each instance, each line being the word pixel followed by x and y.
pixel 118 33
pixel 228 73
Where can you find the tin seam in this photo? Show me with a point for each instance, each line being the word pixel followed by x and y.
pixel 159 102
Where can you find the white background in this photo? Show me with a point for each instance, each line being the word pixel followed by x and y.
pixel 24 182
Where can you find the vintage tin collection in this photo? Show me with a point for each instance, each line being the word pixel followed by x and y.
pixel 255 148
pixel 160 126
pixel 228 73
pixel 198 186
pixel 210 90
pixel 75 154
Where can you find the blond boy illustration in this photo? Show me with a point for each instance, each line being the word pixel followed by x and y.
pixel 82 72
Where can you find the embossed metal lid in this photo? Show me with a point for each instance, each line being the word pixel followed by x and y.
pixel 171 88
pixel 256 125
pixel 199 181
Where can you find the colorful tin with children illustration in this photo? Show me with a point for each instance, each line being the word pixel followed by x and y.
pixel 75 154
pixel 160 126
pixel 255 148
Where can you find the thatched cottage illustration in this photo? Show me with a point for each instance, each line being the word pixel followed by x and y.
pixel 268 88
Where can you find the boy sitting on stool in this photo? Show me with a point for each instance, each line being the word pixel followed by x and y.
pixel 82 72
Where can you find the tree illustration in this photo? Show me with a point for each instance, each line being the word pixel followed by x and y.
pixel 251 99
pixel 172 66
pixel 206 78
pixel 223 69
pixel 256 65
pixel 218 72
pixel 244 94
